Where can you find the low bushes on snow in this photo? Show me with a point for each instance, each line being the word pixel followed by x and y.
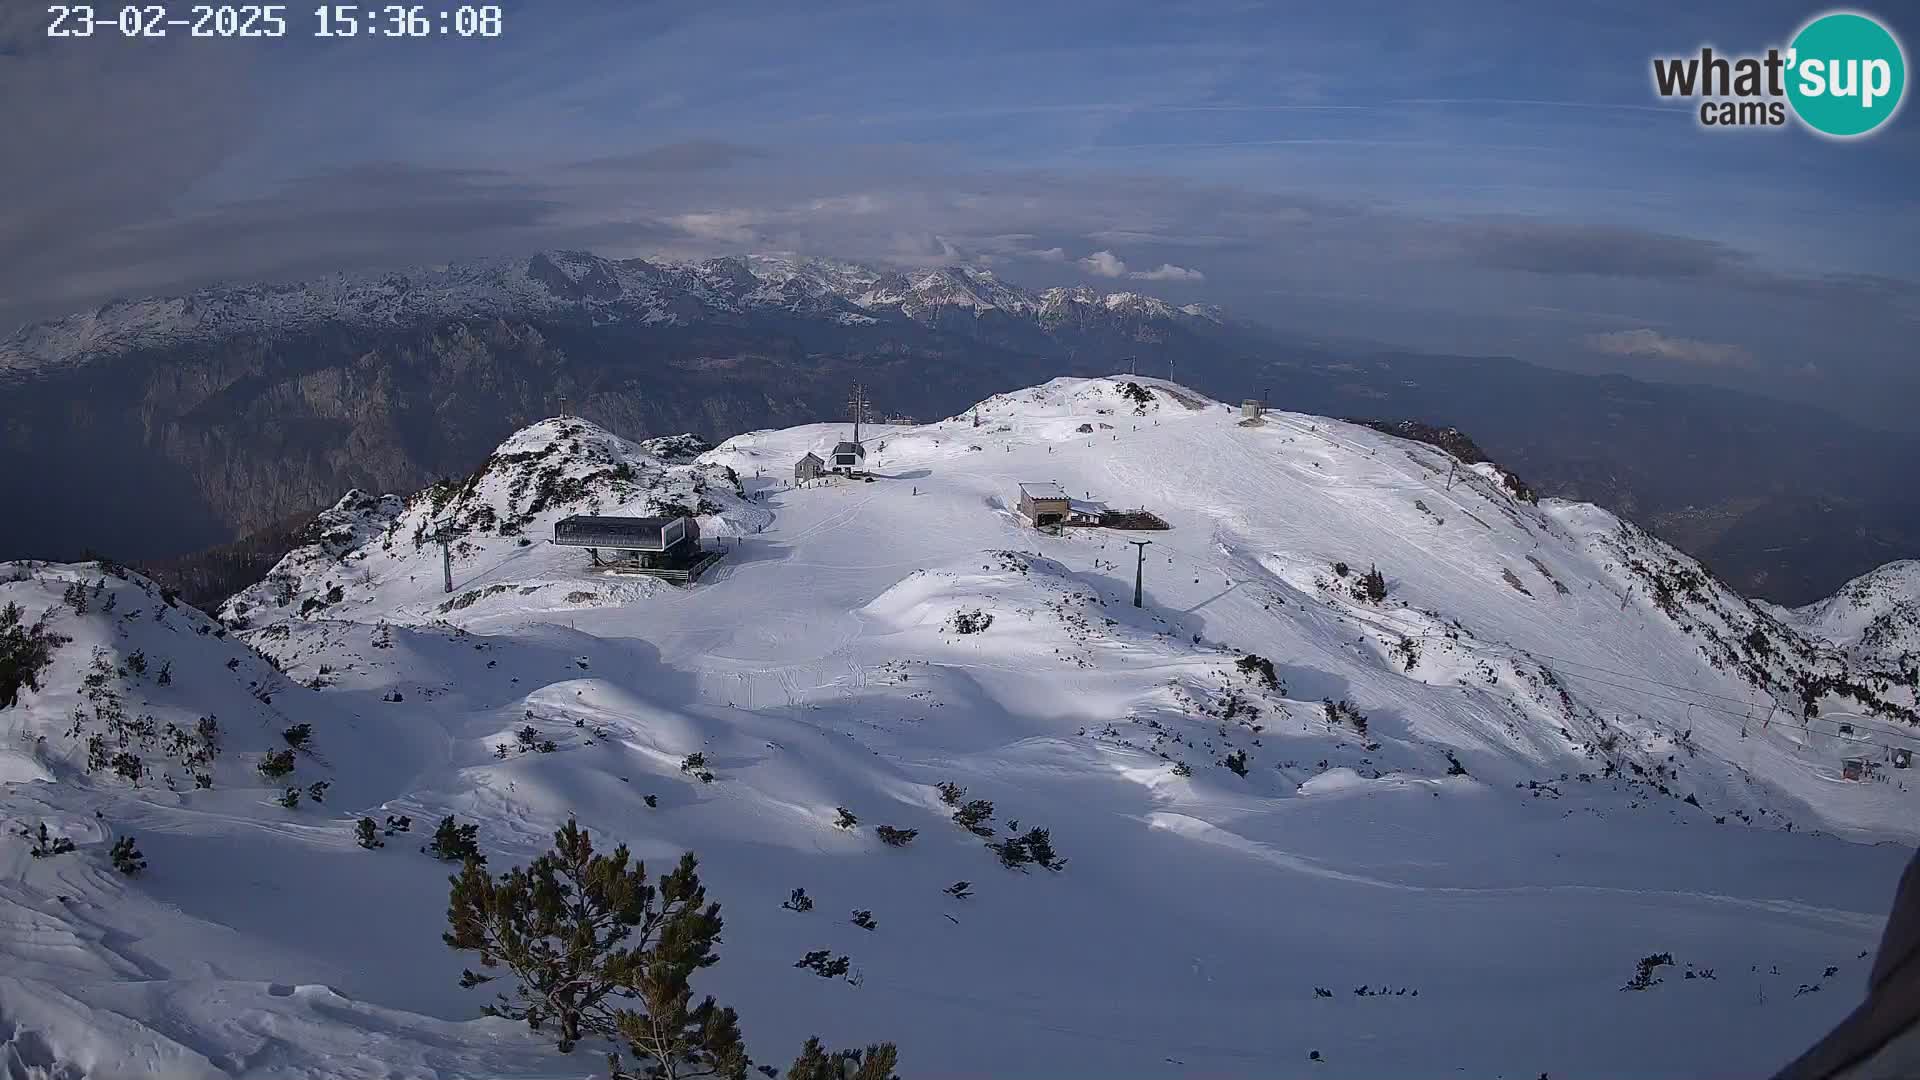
pixel 1372 586
pixel 1258 667
pixel 1034 846
pixel 126 856
pixel 974 816
pixel 1344 711
pixel 454 842
pixel 1643 975
pixel 970 622
pixel 277 764
pixel 44 844
pixel 823 963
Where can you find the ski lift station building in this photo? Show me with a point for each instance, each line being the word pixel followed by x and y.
pixel 1045 503
pixel 849 456
pixel 656 542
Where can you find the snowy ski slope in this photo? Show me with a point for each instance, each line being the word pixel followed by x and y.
pixel 1578 750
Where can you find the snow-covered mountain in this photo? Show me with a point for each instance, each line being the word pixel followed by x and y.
pixel 1310 829
pixel 1876 616
pixel 632 291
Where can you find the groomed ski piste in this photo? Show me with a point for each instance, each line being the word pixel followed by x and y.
pixel 1564 749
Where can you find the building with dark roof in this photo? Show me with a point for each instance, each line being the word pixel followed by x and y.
pixel 848 456
pixel 659 542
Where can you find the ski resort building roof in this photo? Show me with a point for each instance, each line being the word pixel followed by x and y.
pixel 629 533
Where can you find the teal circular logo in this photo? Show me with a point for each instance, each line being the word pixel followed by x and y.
pixel 1846 74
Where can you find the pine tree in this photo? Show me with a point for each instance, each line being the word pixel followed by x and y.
pixel 597 950
pixel 289 798
pixel 25 650
pixel 367 834
pixel 846 819
pixel 583 932
pixel 1039 844
pixel 823 963
pixel 453 842
pixel 126 857
pixel 1013 853
pixel 815 1063
pixel 896 837
pixel 973 817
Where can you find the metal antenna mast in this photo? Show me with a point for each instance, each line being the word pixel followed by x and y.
pixel 1140 560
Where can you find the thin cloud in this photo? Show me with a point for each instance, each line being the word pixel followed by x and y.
pixel 1651 344
pixel 1168 272
pixel 1104 264
pixel 1541 247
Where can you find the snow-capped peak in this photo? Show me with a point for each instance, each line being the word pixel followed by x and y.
pixel 1376 713
pixel 368 553
pixel 556 283
pixel 1877 613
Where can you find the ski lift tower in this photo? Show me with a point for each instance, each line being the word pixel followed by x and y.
pixel 858 405
pixel 444 535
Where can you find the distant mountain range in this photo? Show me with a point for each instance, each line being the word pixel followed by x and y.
pixel 151 428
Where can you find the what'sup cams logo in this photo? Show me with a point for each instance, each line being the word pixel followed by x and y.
pixel 1843 76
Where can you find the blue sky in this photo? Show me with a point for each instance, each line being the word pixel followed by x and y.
pixel 1487 176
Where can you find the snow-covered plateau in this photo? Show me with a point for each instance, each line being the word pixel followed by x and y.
pixel 1316 822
